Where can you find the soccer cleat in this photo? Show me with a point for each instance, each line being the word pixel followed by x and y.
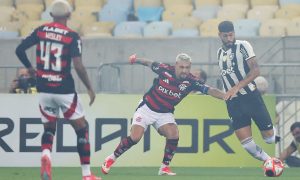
pixel 91 177
pixel 166 171
pixel 108 162
pixel 46 168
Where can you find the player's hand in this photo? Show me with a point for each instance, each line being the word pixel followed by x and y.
pixel 231 93
pixel 132 59
pixel 92 95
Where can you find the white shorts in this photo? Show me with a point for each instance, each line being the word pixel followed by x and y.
pixel 69 104
pixel 144 117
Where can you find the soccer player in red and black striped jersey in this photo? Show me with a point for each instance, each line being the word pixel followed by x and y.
pixel 169 88
pixel 57 46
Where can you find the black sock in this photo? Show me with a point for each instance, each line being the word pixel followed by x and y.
pixel 125 144
pixel 170 149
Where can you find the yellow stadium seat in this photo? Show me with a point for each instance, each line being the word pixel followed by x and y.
pixel 81 3
pixel 177 12
pixel 30 26
pixel 262 13
pixel 209 28
pixel 6 13
pixel 263 2
pixel 6 3
pixel 25 12
pixel 186 23
pixel 232 12
pixel 244 2
pixel 98 29
pixel 201 3
pixel 147 3
pixel 236 7
pixel 293 27
pixel 273 28
pixel 170 3
pixel 18 2
pixel 287 13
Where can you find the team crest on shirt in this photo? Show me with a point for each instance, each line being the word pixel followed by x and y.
pixel 182 87
pixel 166 81
pixel 228 57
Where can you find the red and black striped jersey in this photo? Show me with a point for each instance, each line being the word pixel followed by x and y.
pixel 56 45
pixel 167 91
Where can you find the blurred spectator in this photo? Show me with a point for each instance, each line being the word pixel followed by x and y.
pixel 261 84
pixel 23 83
pixel 201 75
pixel 286 154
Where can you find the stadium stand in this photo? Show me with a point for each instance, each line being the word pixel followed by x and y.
pixel 206 12
pixel 246 27
pixel 200 3
pixel 29 27
pixel 129 29
pixel 93 3
pixel 170 3
pixel 48 3
pixel 293 27
pixel 264 2
pixel 147 3
pixel 243 2
pixel 209 28
pixel 192 32
pixel 98 29
pixel 286 2
pixel 113 13
pixel 186 23
pixel 262 13
pixel 85 15
pixel 232 12
pixel 288 12
pixel 6 3
pixel 158 29
pixel 148 14
pixel 273 28
pixel 6 13
pixel 177 12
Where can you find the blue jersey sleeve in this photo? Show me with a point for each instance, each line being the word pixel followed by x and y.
pixel 199 86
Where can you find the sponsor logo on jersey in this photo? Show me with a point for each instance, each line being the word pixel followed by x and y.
pixel 50 77
pixel 169 92
pixel 56 30
pixel 229 70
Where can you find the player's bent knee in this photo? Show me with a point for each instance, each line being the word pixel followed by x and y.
pixel 270 140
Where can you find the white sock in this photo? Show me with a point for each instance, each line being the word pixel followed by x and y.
pixel 86 170
pixel 112 156
pixel 253 149
pixel 46 152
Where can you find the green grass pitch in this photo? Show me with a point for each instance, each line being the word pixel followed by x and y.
pixel 150 173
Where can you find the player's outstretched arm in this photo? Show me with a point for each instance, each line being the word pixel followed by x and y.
pixel 214 92
pixel 287 152
pixel 133 59
pixel 81 72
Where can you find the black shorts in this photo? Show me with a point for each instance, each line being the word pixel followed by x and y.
pixel 243 108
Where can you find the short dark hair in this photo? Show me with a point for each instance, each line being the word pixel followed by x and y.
pixel 295 125
pixel 226 26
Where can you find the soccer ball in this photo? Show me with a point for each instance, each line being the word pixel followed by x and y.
pixel 273 167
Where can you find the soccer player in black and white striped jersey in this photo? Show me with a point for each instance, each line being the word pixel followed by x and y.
pixel 238 69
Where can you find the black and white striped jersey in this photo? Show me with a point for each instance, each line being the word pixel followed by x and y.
pixel 233 65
